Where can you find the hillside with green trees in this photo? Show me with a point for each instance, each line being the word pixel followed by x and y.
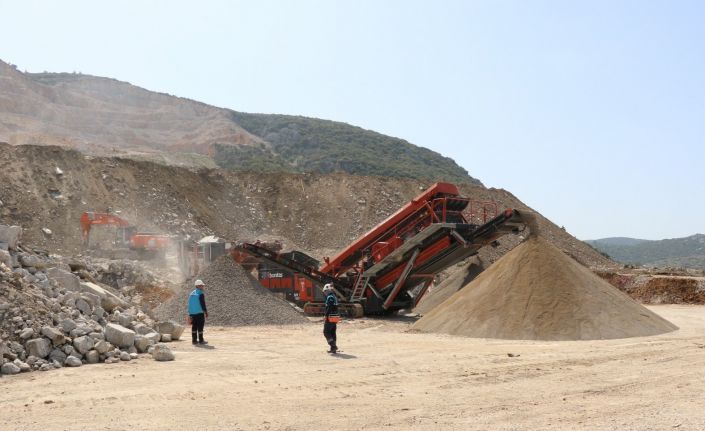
pixel 686 252
pixel 301 144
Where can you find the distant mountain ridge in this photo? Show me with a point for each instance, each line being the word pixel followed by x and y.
pixel 686 252
pixel 104 116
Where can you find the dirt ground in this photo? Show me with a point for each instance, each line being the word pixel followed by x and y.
pixel 280 378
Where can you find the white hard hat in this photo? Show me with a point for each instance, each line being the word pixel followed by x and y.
pixel 328 287
pixel 199 283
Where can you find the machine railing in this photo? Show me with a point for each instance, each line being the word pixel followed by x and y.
pixel 435 211
pixel 480 212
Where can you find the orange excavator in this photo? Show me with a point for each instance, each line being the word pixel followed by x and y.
pixel 146 243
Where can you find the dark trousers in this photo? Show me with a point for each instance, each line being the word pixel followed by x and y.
pixel 198 321
pixel 329 332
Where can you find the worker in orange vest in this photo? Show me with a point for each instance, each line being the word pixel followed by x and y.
pixel 331 318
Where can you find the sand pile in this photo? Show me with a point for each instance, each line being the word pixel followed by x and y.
pixel 536 292
pixel 234 298
pixel 456 281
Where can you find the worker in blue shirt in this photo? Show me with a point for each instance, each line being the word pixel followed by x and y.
pixel 197 312
pixel 331 318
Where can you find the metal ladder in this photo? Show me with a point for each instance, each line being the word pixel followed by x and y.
pixel 359 288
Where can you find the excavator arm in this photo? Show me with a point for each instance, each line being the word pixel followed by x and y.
pixel 90 218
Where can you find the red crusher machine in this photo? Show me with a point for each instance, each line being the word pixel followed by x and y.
pixel 390 267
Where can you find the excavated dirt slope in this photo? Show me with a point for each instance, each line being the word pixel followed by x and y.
pixel 536 292
pixel 318 214
pixel 649 288
pixel 233 298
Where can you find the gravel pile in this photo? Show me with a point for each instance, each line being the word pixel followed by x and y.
pixel 459 279
pixel 537 292
pixel 233 298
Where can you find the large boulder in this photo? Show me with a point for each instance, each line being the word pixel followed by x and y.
pixel 119 335
pixel 103 347
pixel 153 337
pixel 93 357
pixel 26 333
pixel 10 235
pixel 10 368
pixel 57 355
pixel 84 306
pixel 142 343
pixel 161 352
pixel 109 301
pixel 68 325
pixel 30 260
pixel 39 347
pixel 83 344
pixel 91 298
pixel 72 361
pixel 125 319
pixel 172 328
pixel 56 337
pixel 64 279
pixel 24 367
pixel 142 329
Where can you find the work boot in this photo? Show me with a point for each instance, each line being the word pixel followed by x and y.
pixel 200 339
pixel 194 340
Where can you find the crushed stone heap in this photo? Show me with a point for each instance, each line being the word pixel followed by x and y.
pixel 456 281
pixel 234 298
pixel 536 292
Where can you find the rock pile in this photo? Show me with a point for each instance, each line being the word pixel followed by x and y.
pixel 233 298
pixel 50 318
pixel 537 292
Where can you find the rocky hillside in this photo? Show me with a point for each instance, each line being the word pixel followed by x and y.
pixel 102 116
pixel 315 213
pixel 688 252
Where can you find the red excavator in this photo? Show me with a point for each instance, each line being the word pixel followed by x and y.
pixel 145 243
pixel 390 267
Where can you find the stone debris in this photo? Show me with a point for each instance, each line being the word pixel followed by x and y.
pixel 55 314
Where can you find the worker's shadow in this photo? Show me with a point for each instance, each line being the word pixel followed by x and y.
pixel 344 356
pixel 205 346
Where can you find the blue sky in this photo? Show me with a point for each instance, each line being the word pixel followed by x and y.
pixel 591 112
